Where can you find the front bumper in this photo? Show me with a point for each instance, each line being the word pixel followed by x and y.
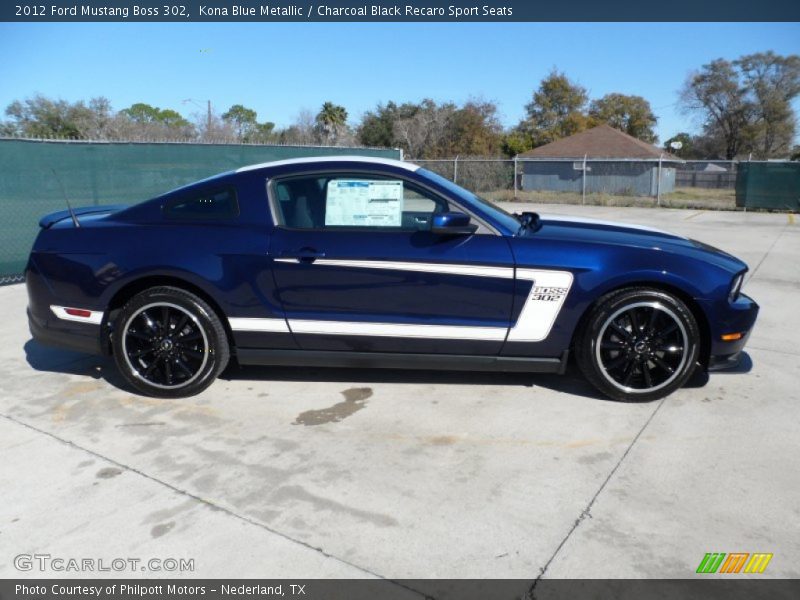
pixel 736 317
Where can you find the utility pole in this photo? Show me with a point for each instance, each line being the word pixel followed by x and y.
pixel 658 183
pixel 208 126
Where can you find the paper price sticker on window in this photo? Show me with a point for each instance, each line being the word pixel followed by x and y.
pixel 362 203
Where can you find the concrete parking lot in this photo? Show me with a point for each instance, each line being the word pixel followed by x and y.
pixel 289 472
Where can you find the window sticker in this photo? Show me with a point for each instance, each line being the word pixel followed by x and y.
pixel 361 203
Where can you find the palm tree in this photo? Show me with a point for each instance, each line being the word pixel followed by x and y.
pixel 331 122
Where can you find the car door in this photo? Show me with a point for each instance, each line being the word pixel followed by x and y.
pixel 357 268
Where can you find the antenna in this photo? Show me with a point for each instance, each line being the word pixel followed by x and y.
pixel 69 206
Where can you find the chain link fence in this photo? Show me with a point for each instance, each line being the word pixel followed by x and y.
pixel 479 175
pixel 625 182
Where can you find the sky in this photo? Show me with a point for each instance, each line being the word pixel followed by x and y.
pixel 281 69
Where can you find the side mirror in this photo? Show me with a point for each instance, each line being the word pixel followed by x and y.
pixel 452 223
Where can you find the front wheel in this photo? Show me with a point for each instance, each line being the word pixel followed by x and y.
pixel 168 342
pixel 638 344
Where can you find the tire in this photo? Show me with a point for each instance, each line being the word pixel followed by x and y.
pixel 638 344
pixel 169 343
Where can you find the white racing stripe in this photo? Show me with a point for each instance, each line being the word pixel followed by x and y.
pixel 321 160
pixel 265 325
pixel 590 221
pixel 448 269
pixel 548 292
pixel 409 330
pixel 405 330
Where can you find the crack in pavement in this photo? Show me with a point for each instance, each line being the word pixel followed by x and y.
pixel 752 273
pixel 586 512
pixel 209 503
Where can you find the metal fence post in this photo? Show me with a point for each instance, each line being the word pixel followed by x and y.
pixel 658 183
pixel 455 169
pixel 515 177
pixel 583 182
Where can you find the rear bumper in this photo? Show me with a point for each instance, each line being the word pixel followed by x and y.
pixel 64 331
pixel 79 337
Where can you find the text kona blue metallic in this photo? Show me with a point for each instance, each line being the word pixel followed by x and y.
pixel 352 261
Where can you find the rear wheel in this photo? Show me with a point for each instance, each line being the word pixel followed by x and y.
pixel 638 344
pixel 169 343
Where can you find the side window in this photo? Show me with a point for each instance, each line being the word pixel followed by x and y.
pixel 212 204
pixel 342 201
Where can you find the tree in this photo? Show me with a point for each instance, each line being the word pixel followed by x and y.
pixel 141 113
pixel 144 113
pixel 631 114
pixel 773 81
pixel 556 110
pixel 377 127
pixel 95 121
pixel 146 122
pixel 428 132
pixel 42 117
pixel 331 122
pixel 686 142
pixel 432 130
pixel 746 105
pixel 172 119
pixel 714 93
pixel 517 141
pixel 242 119
pixel 264 133
pixel 476 130
pixel 302 131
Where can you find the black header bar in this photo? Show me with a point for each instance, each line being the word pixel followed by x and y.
pixel 390 11
pixel 732 588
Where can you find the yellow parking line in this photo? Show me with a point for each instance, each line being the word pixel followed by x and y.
pixel 790 217
pixel 694 215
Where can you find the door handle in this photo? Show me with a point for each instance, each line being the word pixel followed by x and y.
pixel 304 255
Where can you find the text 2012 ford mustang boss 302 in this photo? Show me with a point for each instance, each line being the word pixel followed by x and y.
pixel 354 261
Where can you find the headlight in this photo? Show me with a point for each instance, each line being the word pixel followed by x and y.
pixel 736 287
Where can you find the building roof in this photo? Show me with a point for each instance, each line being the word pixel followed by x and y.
pixel 602 141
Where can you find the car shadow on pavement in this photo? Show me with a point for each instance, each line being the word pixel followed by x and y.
pixel 570 383
pixel 58 360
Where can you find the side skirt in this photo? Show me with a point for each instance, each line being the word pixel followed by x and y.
pixel 387 360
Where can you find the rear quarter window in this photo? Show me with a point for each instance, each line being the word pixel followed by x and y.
pixel 209 205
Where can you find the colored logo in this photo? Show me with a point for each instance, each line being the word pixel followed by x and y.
pixel 735 562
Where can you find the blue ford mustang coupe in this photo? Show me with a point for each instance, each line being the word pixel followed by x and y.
pixel 366 262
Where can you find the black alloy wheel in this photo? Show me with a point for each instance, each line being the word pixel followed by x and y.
pixel 638 344
pixel 168 342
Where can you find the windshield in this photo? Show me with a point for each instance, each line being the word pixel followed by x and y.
pixel 502 217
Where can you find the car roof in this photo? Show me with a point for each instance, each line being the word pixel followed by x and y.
pixel 306 160
pixel 373 160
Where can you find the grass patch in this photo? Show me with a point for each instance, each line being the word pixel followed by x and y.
pixel 694 198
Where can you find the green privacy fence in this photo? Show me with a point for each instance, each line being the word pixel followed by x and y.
pixel 773 185
pixel 111 173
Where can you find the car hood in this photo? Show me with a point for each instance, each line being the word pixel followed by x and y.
pixel 596 231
